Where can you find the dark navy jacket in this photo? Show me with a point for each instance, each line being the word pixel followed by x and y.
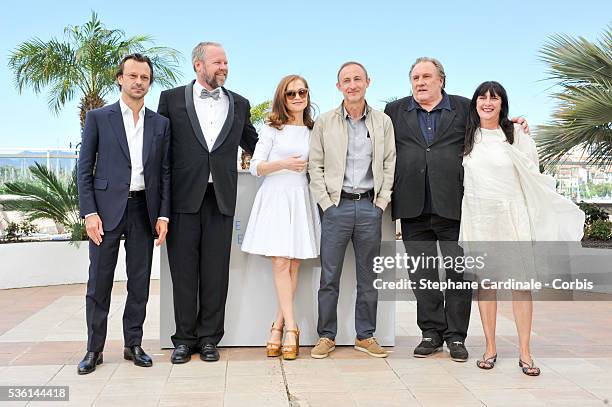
pixel 104 169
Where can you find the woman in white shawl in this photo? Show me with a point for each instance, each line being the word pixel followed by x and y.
pixel 507 199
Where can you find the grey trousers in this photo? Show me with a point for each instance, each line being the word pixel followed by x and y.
pixel 360 222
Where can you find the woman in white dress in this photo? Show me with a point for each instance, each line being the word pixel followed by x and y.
pixel 506 199
pixel 284 223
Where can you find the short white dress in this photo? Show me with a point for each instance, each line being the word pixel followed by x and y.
pixel 284 220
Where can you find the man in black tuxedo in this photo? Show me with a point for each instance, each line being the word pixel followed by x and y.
pixel 427 194
pixel 124 190
pixel 208 124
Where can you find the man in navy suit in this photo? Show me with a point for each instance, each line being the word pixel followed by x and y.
pixel 124 191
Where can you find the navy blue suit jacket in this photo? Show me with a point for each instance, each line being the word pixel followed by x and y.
pixel 104 169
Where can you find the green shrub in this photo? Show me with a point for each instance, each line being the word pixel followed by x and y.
pixel 593 212
pixel 16 231
pixel 27 229
pixel 11 233
pixel 600 230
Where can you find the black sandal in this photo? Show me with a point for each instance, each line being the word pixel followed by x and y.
pixel 529 369
pixel 487 364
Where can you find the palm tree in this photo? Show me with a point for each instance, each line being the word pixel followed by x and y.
pixel 85 64
pixel 47 198
pixel 583 71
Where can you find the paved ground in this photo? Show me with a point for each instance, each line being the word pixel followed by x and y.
pixel 42 338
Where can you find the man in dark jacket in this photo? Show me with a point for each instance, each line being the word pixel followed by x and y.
pixel 427 192
pixel 208 123
pixel 124 190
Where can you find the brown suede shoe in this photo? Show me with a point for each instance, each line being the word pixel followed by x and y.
pixel 371 347
pixel 323 348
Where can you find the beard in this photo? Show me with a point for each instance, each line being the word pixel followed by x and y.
pixel 133 93
pixel 213 81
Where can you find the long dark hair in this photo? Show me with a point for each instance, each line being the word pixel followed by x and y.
pixel 279 114
pixel 473 122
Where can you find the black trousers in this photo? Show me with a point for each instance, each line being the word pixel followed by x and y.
pixel 136 228
pixel 199 254
pixel 442 315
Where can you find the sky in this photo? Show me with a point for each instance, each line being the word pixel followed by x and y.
pixel 264 41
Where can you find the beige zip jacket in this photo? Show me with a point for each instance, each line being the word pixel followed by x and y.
pixel 328 150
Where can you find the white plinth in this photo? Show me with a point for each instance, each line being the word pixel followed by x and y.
pixel 251 301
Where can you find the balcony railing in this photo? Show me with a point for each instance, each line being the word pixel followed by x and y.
pixel 15 163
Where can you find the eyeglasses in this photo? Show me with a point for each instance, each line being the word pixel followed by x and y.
pixel 291 94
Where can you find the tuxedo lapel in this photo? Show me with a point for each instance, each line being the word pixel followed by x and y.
pixel 193 117
pixel 147 137
pixel 116 120
pixel 229 121
pixel 412 121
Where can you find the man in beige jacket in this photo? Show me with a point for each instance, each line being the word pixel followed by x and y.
pixel 351 167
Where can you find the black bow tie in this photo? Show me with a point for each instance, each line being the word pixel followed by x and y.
pixel 215 94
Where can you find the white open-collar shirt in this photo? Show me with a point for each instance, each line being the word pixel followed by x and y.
pixel 211 115
pixel 134 133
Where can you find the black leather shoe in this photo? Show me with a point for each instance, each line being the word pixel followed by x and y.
pixel 458 351
pixel 89 362
pixel 181 354
pixel 138 355
pixel 427 347
pixel 209 352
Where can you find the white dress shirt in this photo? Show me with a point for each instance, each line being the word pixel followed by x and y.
pixel 134 134
pixel 211 115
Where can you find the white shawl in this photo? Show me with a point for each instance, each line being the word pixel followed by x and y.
pixel 553 217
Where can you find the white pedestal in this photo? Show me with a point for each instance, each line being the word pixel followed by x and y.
pixel 251 301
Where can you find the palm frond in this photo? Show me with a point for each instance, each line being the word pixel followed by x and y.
pixel 166 65
pixel 552 151
pixel 583 116
pixel 60 92
pixel 592 104
pixel 46 198
pixel 36 63
pixel 573 61
pixel 35 202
